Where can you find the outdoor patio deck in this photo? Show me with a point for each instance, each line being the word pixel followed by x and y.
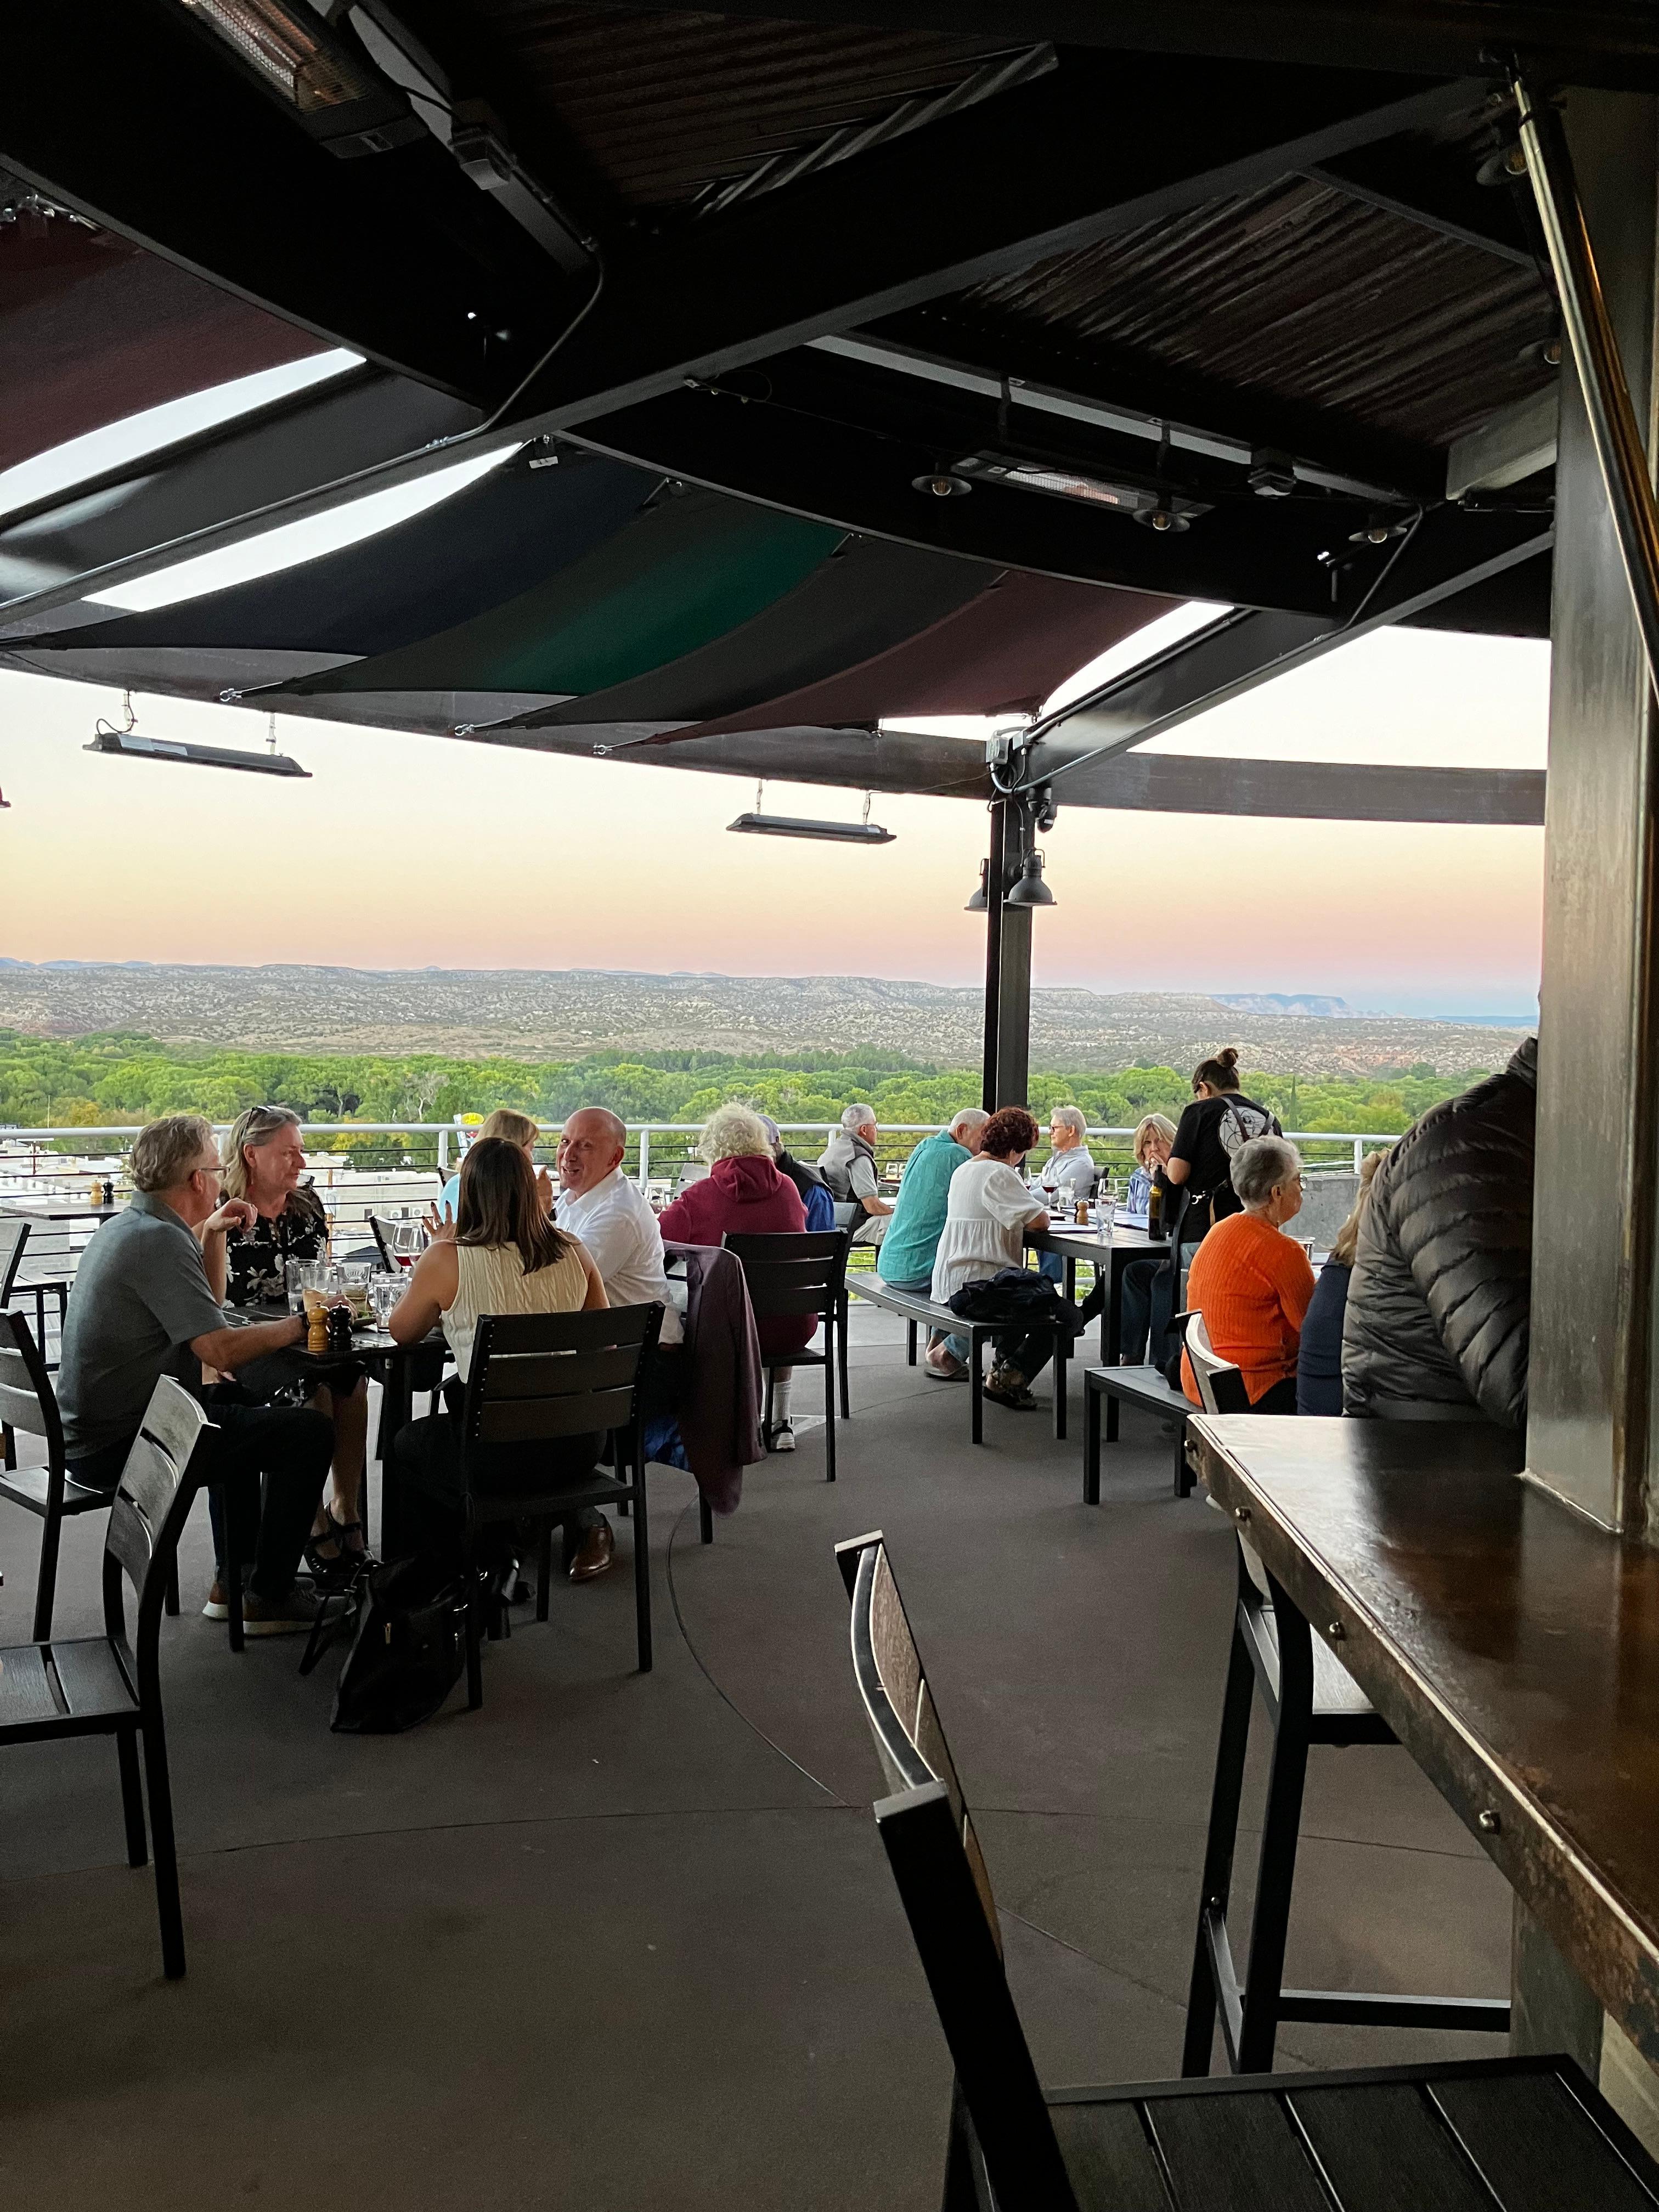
pixel 618 1941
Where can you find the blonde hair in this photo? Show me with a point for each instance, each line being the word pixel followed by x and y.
pixel 1165 1126
pixel 733 1132
pixel 254 1128
pixel 506 1122
pixel 1346 1243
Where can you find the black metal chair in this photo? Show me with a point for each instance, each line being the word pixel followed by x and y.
pixel 27 1401
pixel 1512 2134
pixel 534 1379
pixel 794 1274
pixel 105 1685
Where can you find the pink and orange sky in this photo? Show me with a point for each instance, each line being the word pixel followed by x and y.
pixel 410 850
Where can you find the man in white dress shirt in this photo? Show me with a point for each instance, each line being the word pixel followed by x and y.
pixel 613 1219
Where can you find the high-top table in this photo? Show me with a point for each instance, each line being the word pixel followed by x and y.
pixel 1512 1645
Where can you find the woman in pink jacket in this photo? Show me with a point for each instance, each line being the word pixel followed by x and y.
pixel 745 1194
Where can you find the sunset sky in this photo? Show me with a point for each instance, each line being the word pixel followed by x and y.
pixel 410 850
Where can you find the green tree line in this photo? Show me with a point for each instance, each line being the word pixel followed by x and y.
pixel 76 1082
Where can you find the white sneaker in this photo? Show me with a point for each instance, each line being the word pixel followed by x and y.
pixel 781 1438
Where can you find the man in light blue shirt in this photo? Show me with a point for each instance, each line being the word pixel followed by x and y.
pixel 918 1216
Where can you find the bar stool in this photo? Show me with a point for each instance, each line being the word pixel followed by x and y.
pixel 1309 1698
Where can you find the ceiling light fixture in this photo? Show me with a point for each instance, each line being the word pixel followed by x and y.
pixel 1030 889
pixel 1163 519
pixel 1380 529
pixel 980 903
pixel 757 824
pixel 942 483
pixel 126 743
pixel 325 80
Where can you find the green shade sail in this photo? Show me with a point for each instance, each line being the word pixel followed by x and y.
pixel 692 566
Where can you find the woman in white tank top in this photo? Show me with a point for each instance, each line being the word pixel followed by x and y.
pixel 501 1254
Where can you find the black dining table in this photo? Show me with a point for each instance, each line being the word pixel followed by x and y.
pixel 1076 1243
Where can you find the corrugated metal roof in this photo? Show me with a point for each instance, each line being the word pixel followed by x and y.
pixel 1302 292
pixel 664 104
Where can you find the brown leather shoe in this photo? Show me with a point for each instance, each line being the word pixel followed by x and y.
pixel 594 1554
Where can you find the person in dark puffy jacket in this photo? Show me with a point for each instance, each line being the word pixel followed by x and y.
pixel 1439 1303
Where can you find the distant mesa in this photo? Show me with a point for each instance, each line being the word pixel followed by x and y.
pixel 1284 1002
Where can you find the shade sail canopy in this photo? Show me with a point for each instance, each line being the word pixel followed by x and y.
pixel 867 597
pixel 94 328
pixel 1003 652
pixel 690 567
pixel 442 569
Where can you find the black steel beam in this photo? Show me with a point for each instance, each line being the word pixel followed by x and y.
pixel 128 112
pixel 1052 166
pixel 192 497
pixel 1434 187
pixel 1453 552
pixel 1110 375
pixel 1611 43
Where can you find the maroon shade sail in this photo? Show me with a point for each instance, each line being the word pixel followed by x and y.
pixel 94 328
pixel 1003 652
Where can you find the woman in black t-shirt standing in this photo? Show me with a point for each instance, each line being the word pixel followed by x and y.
pixel 1220 1119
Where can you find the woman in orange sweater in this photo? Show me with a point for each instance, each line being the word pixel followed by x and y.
pixel 1251 1284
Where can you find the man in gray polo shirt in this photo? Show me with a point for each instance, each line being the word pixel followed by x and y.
pixel 142 1308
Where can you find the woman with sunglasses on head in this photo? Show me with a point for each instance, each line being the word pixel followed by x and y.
pixel 262 1161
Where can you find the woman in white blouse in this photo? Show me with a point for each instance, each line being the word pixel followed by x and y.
pixel 987 1216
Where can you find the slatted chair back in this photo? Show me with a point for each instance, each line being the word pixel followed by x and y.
pixel 14 1236
pixel 380 1229
pixel 1220 1382
pixel 27 1401
pixel 535 1378
pixel 147 1516
pixel 928 1834
pixel 797 1272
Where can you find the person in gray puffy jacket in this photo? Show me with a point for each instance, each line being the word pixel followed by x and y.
pixel 1439 1304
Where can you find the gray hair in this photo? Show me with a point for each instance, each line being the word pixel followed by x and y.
pixel 735 1133
pixel 167 1151
pixel 1070 1117
pixel 854 1118
pixel 971 1117
pixel 1261 1166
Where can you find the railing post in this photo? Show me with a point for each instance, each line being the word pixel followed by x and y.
pixel 645 1155
pixel 1358 1154
pixel 443 1153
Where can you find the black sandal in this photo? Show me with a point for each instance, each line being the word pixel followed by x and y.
pixel 340 1572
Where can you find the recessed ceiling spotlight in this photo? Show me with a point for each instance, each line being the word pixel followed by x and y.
pixel 1163 519
pixel 1379 529
pixel 942 483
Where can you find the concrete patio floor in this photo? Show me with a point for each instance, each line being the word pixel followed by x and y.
pixel 624 1941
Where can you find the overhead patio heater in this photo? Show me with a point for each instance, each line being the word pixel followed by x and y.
pixel 127 743
pixel 1136 501
pixel 757 824
pixel 321 78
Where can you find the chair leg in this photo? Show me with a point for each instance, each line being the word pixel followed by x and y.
pixel 1091 1445
pixel 474 1637
pixel 132 1795
pixel 705 1519
pixel 840 1359
pixel 1063 1353
pixel 170 1599
pixel 544 1570
pixel 1231 1745
pixel 8 1447
pixel 828 1412
pixel 1270 1919
pixel 909 1344
pixel 641 1569
pixel 961 2194
pixel 46 1585
pixel 167 1856
pixel 1183 1473
pixel 976 1384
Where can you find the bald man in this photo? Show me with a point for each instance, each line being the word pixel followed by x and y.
pixel 612 1216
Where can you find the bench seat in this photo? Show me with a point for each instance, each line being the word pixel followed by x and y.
pixel 917 1310
pixel 1105 1388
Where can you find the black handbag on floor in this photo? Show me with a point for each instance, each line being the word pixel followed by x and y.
pixel 408 1653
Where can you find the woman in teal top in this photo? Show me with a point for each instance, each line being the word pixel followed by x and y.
pixel 913 1233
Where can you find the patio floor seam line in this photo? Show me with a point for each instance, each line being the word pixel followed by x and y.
pixel 1245 1828
pixel 834 1796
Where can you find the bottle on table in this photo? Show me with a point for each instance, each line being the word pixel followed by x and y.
pixel 1156 1232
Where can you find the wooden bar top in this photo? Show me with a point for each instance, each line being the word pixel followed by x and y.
pixel 1512 1645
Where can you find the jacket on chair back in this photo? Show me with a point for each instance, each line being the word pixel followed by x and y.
pixel 1439 1303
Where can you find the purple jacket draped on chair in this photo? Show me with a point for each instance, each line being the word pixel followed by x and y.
pixel 719 1412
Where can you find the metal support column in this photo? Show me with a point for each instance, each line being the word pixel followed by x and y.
pixel 1007 1061
pixel 1595 1246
